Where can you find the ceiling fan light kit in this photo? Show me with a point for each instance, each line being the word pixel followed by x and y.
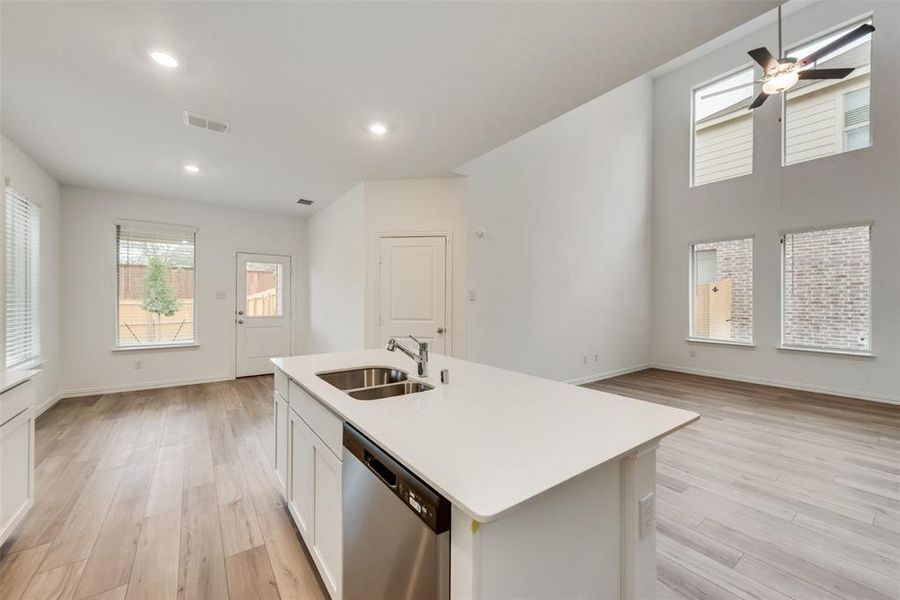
pixel 781 74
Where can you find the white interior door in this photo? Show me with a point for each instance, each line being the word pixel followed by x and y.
pixel 262 312
pixel 412 295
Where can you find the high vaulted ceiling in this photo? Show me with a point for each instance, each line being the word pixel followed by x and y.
pixel 301 81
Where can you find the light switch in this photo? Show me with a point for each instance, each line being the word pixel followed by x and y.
pixel 221 296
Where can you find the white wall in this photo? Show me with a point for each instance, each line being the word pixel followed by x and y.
pixel 89 287
pixel 26 177
pixel 563 269
pixel 848 188
pixel 418 206
pixel 336 276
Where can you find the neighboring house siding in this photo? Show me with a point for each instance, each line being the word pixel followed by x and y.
pixel 724 148
pixel 814 121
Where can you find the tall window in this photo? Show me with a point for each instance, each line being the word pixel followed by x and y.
pixel 827 289
pixel 722 291
pixel 829 116
pixel 155 272
pixel 722 141
pixel 22 272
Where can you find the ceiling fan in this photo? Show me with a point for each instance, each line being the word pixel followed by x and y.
pixel 781 74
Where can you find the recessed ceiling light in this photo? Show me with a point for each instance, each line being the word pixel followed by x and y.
pixel 166 60
pixel 378 128
pixel 192 168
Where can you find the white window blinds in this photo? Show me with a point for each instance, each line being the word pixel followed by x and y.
pixel 155 273
pixel 22 272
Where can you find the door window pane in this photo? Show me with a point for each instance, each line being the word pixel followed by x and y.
pixel 722 291
pixel 264 289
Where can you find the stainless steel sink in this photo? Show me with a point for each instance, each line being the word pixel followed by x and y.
pixel 353 379
pixel 389 391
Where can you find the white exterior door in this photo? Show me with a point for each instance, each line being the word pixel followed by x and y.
pixel 412 295
pixel 262 312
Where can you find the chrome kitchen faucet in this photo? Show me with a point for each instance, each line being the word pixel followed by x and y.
pixel 421 358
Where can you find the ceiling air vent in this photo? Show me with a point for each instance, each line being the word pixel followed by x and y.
pixel 206 122
pixel 304 202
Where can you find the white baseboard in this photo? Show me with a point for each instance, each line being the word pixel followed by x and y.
pixel 149 385
pixel 47 405
pixel 791 385
pixel 607 374
pixel 15 521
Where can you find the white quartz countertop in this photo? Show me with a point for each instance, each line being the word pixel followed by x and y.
pixel 490 439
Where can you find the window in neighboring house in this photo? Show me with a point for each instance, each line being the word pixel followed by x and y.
pixel 22 277
pixel 722 129
pixel 823 117
pixel 856 119
pixel 722 291
pixel 826 289
pixel 155 273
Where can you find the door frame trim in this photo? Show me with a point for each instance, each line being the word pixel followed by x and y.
pixel 448 279
pixel 292 344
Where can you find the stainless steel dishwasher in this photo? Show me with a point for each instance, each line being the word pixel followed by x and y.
pixel 396 528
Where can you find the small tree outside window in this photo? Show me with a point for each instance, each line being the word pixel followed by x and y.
pixel 155 273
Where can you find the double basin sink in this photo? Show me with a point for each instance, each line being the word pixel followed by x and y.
pixel 374 383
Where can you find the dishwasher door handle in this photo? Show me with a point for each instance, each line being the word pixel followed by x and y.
pixel 378 467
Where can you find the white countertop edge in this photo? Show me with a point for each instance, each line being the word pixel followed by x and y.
pixel 11 379
pixel 481 517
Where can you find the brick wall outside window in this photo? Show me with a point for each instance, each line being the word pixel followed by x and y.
pixel 827 289
pixel 734 261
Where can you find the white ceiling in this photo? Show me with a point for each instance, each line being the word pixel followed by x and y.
pixel 300 82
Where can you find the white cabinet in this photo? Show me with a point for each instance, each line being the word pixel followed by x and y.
pixel 16 470
pixel 281 439
pixel 301 490
pixel 313 436
pixel 328 541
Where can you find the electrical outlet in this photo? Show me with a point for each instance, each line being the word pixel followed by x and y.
pixel 585 359
pixel 646 515
pixel 138 365
pixel 221 295
pixel 693 354
pixel 472 295
pixel 596 357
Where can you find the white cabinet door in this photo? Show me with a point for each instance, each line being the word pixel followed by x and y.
pixel 301 495
pixel 281 441
pixel 328 532
pixel 16 470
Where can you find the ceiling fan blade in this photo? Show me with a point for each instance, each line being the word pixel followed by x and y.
pixel 759 100
pixel 861 31
pixel 764 58
pixel 726 90
pixel 824 73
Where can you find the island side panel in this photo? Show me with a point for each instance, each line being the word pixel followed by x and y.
pixel 564 543
pixel 638 477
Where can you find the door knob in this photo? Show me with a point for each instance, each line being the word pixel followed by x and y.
pixel 440 330
pixel 240 312
pixel 240 321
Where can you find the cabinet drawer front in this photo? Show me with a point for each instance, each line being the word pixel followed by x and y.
pixel 321 420
pixel 281 383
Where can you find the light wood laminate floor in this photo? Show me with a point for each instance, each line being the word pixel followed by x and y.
pixel 168 494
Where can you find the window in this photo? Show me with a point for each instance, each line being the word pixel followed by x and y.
pixel 155 273
pixel 722 291
pixel 829 116
pixel 827 289
pixel 264 289
pixel 722 129
pixel 22 268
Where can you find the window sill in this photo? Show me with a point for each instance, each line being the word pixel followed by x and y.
pixel 154 347
pixel 693 340
pixel 34 364
pixel 826 351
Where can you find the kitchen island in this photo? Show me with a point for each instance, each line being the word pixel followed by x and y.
pixel 551 485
